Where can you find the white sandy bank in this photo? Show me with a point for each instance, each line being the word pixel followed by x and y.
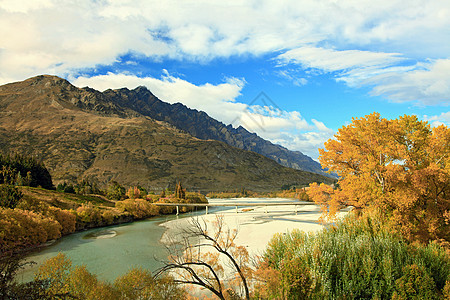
pixel 257 224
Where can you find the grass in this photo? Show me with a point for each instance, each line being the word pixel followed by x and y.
pixel 64 200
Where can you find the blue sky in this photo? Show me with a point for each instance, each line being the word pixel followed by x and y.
pixel 318 62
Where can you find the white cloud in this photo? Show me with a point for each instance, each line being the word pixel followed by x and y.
pixel 23 6
pixel 330 60
pixel 85 33
pixel 308 142
pixel 288 129
pixel 442 119
pixel 427 83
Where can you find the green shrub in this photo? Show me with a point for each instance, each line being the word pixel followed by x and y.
pixel 65 188
pixel 9 196
pixel 357 258
pixel 435 261
pixel 415 283
pixel 115 191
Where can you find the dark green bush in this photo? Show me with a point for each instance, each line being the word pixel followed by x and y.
pixel 115 191
pixel 9 196
pixel 65 188
pixel 19 169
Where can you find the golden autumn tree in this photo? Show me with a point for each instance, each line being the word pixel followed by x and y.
pixel 400 167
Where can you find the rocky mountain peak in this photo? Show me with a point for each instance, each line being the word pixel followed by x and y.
pixel 49 81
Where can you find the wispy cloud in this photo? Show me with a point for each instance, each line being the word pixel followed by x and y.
pixel 427 83
pixel 329 60
pixel 387 74
pixel 292 76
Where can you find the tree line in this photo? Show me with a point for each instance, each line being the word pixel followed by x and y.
pixel 18 169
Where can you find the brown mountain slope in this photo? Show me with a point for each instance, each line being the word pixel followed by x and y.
pixel 79 134
pixel 202 126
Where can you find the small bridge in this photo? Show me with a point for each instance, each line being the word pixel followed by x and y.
pixel 236 204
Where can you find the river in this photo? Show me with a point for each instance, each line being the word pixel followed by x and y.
pixel 111 251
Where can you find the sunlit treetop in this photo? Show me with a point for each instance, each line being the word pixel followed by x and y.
pixel 400 167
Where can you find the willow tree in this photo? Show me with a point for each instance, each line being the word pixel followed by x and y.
pixel 400 167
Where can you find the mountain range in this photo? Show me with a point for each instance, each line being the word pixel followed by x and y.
pixel 199 124
pixel 132 137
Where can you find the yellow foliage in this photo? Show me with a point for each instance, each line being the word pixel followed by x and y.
pixel 400 166
pixel 108 217
pixel 22 228
pixel 56 270
pixel 89 214
pixel 136 284
pixel 65 218
pixel 76 282
pixel 139 208
pixel 267 282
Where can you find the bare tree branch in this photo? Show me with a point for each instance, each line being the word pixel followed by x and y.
pixel 196 264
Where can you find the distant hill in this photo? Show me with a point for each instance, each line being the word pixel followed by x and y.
pixel 199 124
pixel 86 134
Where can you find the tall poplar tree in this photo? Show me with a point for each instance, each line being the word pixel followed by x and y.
pixel 400 167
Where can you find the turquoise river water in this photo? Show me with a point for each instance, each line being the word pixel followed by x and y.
pixel 110 251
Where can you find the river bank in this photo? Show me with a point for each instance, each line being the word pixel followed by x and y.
pixel 111 251
pixel 43 216
pixel 256 225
